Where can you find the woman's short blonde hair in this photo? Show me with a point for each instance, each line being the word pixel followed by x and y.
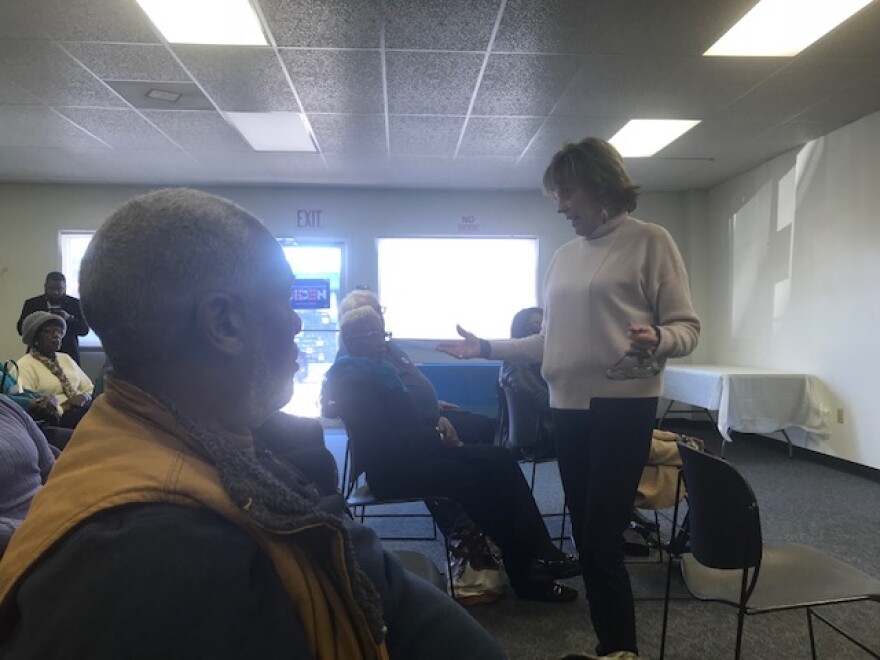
pixel 596 166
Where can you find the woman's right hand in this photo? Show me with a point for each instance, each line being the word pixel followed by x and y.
pixel 465 349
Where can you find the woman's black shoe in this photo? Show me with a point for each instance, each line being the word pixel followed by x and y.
pixel 547 592
pixel 553 569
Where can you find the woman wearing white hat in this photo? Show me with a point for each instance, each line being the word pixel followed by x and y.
pixel 47 371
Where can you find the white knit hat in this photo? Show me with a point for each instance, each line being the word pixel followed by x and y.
pixel 33 322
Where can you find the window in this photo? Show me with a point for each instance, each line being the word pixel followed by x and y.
pixel 427 285
pixel 73 247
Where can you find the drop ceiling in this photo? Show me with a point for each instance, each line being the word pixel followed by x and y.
pixel 413 93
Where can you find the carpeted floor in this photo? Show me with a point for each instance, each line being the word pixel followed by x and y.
pixel 800 501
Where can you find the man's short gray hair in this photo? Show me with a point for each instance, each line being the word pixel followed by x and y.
pixel 359 298
pixel 151 261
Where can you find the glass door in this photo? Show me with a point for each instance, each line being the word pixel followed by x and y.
pixel 319 340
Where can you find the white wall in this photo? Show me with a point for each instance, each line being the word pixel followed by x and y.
pixel 791 250
pixel 32 215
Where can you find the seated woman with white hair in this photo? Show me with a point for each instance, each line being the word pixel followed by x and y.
pixel 46 370
pixel 405 455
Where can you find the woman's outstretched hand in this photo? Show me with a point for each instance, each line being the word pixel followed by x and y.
pixel 467 348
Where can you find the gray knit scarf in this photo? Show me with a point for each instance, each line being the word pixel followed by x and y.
pixel 280 502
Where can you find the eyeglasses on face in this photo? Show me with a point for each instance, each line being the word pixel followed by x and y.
pixel 376 333
pixel 634 364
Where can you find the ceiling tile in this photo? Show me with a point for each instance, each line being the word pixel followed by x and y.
pixel 431 83
pixel 324 24
pixel 439 24
pixel 802 84
pixel 150 62
pixel 424 136
pixel 662 174
pixel 704 86
pixel 48 73
pixel 240 78
pixel 614 85
pixel 498 136
pixel 523 84
pixel 121 129
pixel 847 105
pixel 38 126
pixel 557 131
pixel 95 20
pixel 12 94
pixel 336 81
pixel 686 27
pixel 856 39
pixel 362 135
pixel 17 24
pixel 266 167
pixel 197 129
pixel 717 138
pixel 458 173
pixel 152 167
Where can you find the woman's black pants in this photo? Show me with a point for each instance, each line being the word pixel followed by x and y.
pixel 486 481
pixel 601 454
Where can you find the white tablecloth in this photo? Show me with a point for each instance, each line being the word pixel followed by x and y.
pixel 748 399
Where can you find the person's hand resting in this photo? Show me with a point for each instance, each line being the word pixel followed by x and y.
pixel 465 349
pixel 77 401
pixel 448 434
pixel 445 405
pixel 643 338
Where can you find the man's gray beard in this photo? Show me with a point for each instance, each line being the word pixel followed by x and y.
pixel 265 397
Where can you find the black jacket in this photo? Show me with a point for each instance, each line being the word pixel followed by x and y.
pixel 76 324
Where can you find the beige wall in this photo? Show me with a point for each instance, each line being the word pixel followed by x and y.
pixel 31 217
pixel 792 251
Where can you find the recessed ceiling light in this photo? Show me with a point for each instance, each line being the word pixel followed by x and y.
pixel 162 95
pixel 783 28
pixel 231 22
pixel 641 138
pixel 273 131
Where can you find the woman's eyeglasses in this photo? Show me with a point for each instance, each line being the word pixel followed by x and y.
pixel 377 333
pixel 634 364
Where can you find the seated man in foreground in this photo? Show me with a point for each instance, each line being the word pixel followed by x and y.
pixel 405 455
pixel 166 531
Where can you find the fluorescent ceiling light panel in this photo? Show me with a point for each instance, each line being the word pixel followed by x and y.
pixel 229 22
pixel 641 138
pixel 783 28
pixel 273 131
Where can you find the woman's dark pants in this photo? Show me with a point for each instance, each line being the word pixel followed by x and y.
pixel 601 455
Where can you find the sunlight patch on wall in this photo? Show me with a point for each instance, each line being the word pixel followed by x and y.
pixel 750 231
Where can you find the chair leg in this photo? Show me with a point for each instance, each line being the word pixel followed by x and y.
pixel 562 528
pixel 666 608
pixel 839 631
pixel 740 621
pixel 812 634
pixel 450 577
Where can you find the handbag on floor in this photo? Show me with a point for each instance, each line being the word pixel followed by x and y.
pixel 476 571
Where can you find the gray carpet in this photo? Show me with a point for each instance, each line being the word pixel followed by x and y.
pixel 800 501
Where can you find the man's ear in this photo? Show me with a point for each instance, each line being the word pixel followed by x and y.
pixel 220 320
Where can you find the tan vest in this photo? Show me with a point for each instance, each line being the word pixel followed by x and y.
pixel 127 450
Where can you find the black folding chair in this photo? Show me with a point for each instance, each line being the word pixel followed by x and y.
pixel 729 562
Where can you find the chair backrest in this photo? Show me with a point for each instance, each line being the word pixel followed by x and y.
pixel 524 429
pixel 725 526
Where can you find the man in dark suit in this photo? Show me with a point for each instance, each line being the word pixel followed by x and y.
pixel 67 307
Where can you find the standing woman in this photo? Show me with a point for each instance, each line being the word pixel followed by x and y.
pixel 616 305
